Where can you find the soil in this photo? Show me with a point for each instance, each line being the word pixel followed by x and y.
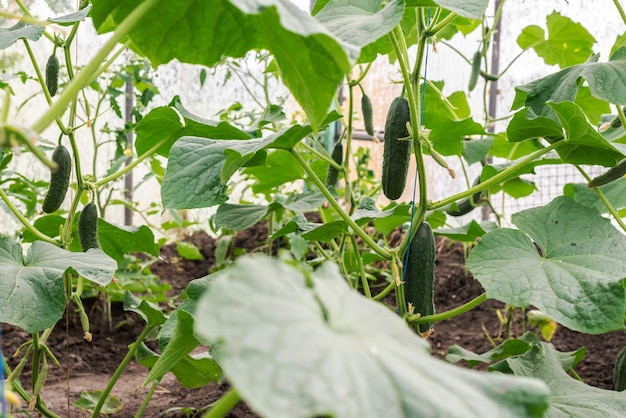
pixel 92 364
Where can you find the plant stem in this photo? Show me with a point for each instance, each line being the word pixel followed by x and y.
pixel 604 200
pixel 86 74
pixel 416 320
pixel 28 138
pixel 118 372
pixel 15 211
pixel 342 213
pixel 620 9
pixel 444 22
pixel 496 178
pixel 223 405
pixel 385 292
pixel 359 262
pixel 146 400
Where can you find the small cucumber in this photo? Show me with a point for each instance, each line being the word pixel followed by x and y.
pixel 333 173
pixel 368 114
pixel 619 371
pixel 396 148
pixel 52 75
pixel 419 279
pixel 475 71
pixel 612 174
pixel 467 205
pixel 59 180
pixel 88 227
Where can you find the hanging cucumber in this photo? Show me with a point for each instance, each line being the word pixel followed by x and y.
pixel 333 173
pixel 368 114
pixel 88 227
pixel 419 279
pixel 468 204
pixel 475 71
pixel 396 148
pixel 59 180
pixel 612 174
pixel 619 371
pixel 52 74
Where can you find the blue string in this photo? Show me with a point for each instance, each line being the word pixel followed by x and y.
pixel 3 404
pixel 421 122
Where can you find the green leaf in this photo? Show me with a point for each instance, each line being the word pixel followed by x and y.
pixel 298 351
pixel 198 169
pixel 19 31
pixel 577 276
pixel 568 42
pixel 506 349
pixel 468 232
pixel 188 251
pixel 89 399
pixel 592 107
pixel 69 19
pixel 607 81
pixel 620 41
pixel 613 191
pixel 239 217
pixel 173 122
pixel 31 287
pixel 367 211
pixel 569 397
pixel 476 150
pixel 47 225
pixel 312 231
pixel 176 354
pixel 526 125
pixel 467 8
pixel 117 240
pixel 518 188
pixel 280 167
pixel 146 310
pixel 304 202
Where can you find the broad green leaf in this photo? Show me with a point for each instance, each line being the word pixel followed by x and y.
pixel 400 215
pixel 506 349
pixel 150 313
pixel 169 123
pixel 312 231
pixel 198 169
pixel 19 31
pixel 568 42
pixel 468 232
pixel 293 350
pixel 47 225
pixel 280 167
pixel 188 251
pixel 607 81
pixel 576 276
pixel 592 107
pixel 31 287
pixel 569 398
pixel 71 18
pixel 304 202
pixel 583 144
pixel 239 217
pixel 367 211
pixel 468 8
pixel 620 41
pixel 176 353
pixel 517 188
pixel 117 240
pixel 476 150
pixel 526 125
pixel 615 192
pixel 89 400
pixel 512 150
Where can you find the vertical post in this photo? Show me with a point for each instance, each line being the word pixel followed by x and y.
pixel 493 85
pixel 128 178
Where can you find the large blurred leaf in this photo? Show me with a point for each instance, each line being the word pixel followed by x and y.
pixel 19 31
pixel 607 81
pixel 466 8
pixel 569 398
pixel 576 276
pixel 31 287
pixel 173 122
pixel 568 42
pixel 297 351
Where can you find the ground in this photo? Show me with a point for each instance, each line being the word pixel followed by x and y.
pixel 92 364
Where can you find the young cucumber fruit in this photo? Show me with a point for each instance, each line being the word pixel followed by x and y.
pixel 52 75
pixel 396 148
pixel 368 114
pixel 468 204
pixel 333 173
pixel 619 371
pixel 475 71
pixel 611 175
pixel 419 279
pixel 88 227
pixel 59 180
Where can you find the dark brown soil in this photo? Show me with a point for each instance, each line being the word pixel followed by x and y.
pixel 93 363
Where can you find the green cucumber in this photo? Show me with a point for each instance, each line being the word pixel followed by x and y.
pixel 396 148
pixel 612 174
pixel 333 173
pixel 419 279
pixel 616 122
pixel 475 71
pixel 52 75
pixel 59 180
pixel 368 114
pixel 619 371
pixel 88 227
pixel 468 204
